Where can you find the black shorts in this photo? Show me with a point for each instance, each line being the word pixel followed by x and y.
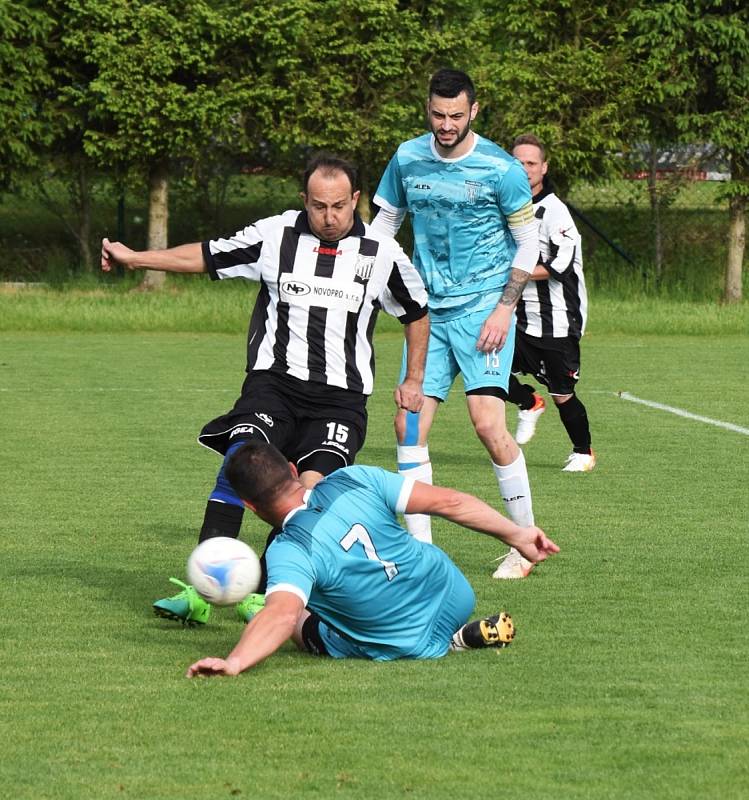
pixel 317 427
pixel 553 362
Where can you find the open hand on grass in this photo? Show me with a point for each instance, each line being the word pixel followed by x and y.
pixel 213 666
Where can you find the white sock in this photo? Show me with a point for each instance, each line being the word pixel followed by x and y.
pixel 419 469
pixel 515 490
pixel 457 645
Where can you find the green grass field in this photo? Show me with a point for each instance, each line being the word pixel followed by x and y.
pixel 628 675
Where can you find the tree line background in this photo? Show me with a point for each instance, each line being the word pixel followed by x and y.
pixel 103 98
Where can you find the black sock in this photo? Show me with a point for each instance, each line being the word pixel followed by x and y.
pixel 221 519
pixel 263 567
pixel 575 419
pixel 470 633
pixel 521 394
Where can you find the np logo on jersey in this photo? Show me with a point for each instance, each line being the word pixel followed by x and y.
pixel 472 191
pixel 295 288
pixel 364 266
pixel 317 291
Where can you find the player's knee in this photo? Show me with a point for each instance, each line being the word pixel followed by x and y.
pixel 223 491
pixel 490 427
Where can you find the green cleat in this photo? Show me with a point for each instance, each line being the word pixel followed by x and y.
pixel 247 609
pixel 187 607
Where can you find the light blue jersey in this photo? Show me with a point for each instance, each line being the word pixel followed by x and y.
pixel 384 594
pixel 463 248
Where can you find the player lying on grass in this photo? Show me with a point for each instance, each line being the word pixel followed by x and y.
pixel 347 581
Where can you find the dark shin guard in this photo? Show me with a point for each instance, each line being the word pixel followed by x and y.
pixel 221 519
pixel 520 394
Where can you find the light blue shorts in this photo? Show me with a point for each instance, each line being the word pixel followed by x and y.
pixel 455 611
pixel 452 349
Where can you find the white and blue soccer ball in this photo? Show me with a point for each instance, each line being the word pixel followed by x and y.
pixel 223 570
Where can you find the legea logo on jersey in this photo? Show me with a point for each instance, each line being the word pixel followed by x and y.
pixel 327 251
pixel 472 191
pixel 242 429
pixel 265 418
pixel 295 288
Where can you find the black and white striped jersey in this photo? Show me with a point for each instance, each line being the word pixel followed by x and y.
pixel 315 313
pixel 557 307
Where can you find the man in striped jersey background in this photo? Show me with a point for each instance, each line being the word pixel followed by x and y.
pixel 324 275
pixel 551 316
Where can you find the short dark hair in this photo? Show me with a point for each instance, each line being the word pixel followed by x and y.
pixel 329 164
pixel 450 83
pixel 257 472
pixel 529 138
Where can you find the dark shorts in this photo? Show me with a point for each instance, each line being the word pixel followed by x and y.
pixel 317 427
pixel 553 362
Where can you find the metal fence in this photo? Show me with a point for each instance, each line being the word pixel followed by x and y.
pixel 671 229
pixel 667 234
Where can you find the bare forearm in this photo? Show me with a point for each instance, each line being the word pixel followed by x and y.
pixel 184 258
pixel 263 635
pixel 417 340
pixel 514 288
pixel 470 512
pixel 462 509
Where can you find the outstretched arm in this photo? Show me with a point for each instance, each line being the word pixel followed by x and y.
pixel 184 258
pixel 470 512
pixel 263 635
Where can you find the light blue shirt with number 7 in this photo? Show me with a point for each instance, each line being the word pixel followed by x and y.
pixel 348 558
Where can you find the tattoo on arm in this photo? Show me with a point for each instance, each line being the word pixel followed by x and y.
pixel 514 287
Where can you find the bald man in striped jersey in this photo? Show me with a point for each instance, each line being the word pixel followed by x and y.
pixel 324 276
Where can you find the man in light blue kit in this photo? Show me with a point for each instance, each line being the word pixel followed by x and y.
pixel 475 246
pixel 346 580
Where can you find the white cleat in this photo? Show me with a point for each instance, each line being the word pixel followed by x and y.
pixel 580 462
pixel 527 420
pixel 513 566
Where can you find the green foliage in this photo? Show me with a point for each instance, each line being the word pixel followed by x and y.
pixel 24 75
pixel 345 75
pixel 161 85
pixel 211 87
pixel 559 70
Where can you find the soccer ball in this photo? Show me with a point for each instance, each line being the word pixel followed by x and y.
pixel 223 570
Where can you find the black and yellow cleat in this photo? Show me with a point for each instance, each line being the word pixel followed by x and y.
pixel 497 631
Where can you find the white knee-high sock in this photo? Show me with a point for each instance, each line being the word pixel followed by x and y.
pixel 515 490
pixel 413 461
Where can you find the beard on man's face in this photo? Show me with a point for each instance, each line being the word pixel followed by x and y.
pixel 452 139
